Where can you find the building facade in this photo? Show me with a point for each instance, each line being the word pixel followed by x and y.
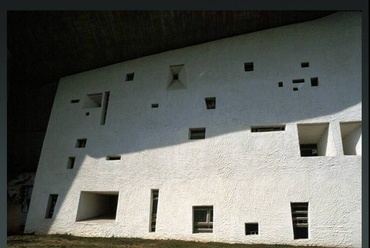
pixel 249 139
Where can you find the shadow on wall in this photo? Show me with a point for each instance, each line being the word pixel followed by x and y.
pixel 106 121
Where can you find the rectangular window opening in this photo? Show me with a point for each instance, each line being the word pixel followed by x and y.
pixel 248 66
pixel 295 89
pixel 81 143
pixel 52 201
pixel 97 207
pixel 105 108
pixel 298 81
pixel 268 129
pixel 113 157
pixel 314 82
pixel 210 102
pixel 130 76
pixel 251 228
pixel 300 219
pixel 75 101
pixel 155 105
pixel 197 133
pixel 93 101
pixel 153 209
pixel 305 64
pixel 203 219
pixel 71 162
pixel 280 84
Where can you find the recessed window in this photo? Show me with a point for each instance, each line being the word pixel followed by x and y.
pixel 153 209
pixel 300 219
pixel 267 128
pixel 93 101
pixel 305 64
pixel 197 133
pixel 155 105
pixel 210 102
pixel 113 157
pixel 295 89
pixel 130 76
pixel 81 143
pixel 251 228
pixel 87 114
pixel 351 134
pixel 52 201
pixel 177 77
pixel 97 207
pixel 105 108
pixel 71 162
pixel 298 81
pixel 248 66
pixel 203 219
pixel 314 82
pixel 314 140
pixel 75 101
pixel 280 84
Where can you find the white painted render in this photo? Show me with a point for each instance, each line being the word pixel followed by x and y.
pixel 245 176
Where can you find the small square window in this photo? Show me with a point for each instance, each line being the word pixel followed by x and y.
pixel 175 76
pixel 314 82
pixel 81 143
pixel 197 133
pixel 248 66
pixel 130 76
pixel 210 102
pixel 295 89
pixel 251 228
pixel 203 219
pixel 280 84
pixel 87 114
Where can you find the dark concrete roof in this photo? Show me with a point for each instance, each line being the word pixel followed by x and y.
pixel 44 46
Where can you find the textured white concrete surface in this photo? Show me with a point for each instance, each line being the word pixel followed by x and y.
pixel 245 176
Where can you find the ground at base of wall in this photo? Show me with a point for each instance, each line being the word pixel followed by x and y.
pixel 18 241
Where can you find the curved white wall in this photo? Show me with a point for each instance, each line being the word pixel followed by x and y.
pixel 245 176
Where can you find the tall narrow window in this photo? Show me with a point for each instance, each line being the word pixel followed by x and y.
pixel 300 219
pixel 51 205
pixel 351 133
pixel 203 219
pixel 71 162
pixel 154 207
pixel 105 108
